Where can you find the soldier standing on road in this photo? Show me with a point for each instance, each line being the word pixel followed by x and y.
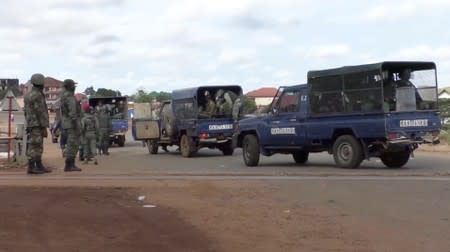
pixel 104 129
pixel 70 110
pixel 36 116
pixel 89 128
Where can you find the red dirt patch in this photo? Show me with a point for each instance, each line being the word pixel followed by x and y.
pixel 90 219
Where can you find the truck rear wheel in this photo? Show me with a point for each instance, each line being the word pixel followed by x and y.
pixel 227 149
pixel 187 146
pixel 121 141
pixel 152 146
pixel 395 159
pixel 347 152
pixel 250 150
pixel 300 157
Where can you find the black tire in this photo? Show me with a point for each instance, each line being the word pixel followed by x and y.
pixel 227 149
pixel 300 157
pixel 250 150
pixel 347 152
pixel 121 141
pixel 395 159
pixel 187 147
pixel 152 147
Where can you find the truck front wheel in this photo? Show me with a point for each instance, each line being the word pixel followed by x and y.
pixel 300 157
pixel 250 150
pixel 152 146
pixel 395 159
pixel 347 152
pixel 187 146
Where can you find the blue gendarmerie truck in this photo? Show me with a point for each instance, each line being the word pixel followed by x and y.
pixel 380 110
pixel 183 121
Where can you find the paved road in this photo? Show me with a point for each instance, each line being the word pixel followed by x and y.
pixel 134 160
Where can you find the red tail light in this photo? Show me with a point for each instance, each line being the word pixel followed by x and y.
pixel 393 135
pixel 203 135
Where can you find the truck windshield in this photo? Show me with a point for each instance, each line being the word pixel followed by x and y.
pixel 410 90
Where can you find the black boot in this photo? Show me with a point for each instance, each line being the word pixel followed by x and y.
pixel 32 169
pixel 68 166
pixel 41 167
pixel 74 167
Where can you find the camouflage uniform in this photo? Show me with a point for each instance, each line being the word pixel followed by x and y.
pixel 89 127
pixel 36 116
pixel 225 101
pixel 104 129
pixel 209 108
pixel 70 117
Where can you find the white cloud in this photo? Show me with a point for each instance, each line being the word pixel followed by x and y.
pixel 165 45
pixel 10 57
pixel 281 74
pixel 395 10
pixel 425 52
pixel 325 51
pixel 236 56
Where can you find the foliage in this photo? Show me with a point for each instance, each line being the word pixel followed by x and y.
pixel 90 91
pixel 248 105
pixel 443 137
pixel 142 96
pixel 444 108
pixel 104 92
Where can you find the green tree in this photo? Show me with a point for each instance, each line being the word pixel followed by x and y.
pixel 142 96
pixel 90 91
pixel 104 92
pixel 444 108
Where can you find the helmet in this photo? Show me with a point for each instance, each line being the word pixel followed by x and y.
pixel 37 79
pixel 219 94
pixel 69 83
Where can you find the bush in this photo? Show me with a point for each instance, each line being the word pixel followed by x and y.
pixel 443 136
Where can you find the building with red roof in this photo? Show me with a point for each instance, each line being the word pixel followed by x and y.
pixel 263 97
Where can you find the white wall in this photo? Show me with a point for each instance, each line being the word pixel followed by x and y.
pixel 444 95
pixel 263 101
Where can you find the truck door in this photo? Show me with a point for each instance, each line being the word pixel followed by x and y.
pixel 286 126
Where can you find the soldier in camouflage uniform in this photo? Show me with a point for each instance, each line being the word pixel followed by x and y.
pixel 70 116
pixel 225 101
pixel 36 116
pixel 104 129
pixel 209 108
pixel 89 128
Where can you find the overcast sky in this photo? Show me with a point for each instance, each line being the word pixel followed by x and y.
pixel 164 45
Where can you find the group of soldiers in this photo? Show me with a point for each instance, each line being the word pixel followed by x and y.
pixel 90 129
pixel 222 104
pixel 95 130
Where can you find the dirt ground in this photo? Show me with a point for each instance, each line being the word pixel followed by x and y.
pixel 90 219
pixel 99 215
pixel 224 216
pixel 191 216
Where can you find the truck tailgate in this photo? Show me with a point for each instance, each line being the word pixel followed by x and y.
pixel 144 129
